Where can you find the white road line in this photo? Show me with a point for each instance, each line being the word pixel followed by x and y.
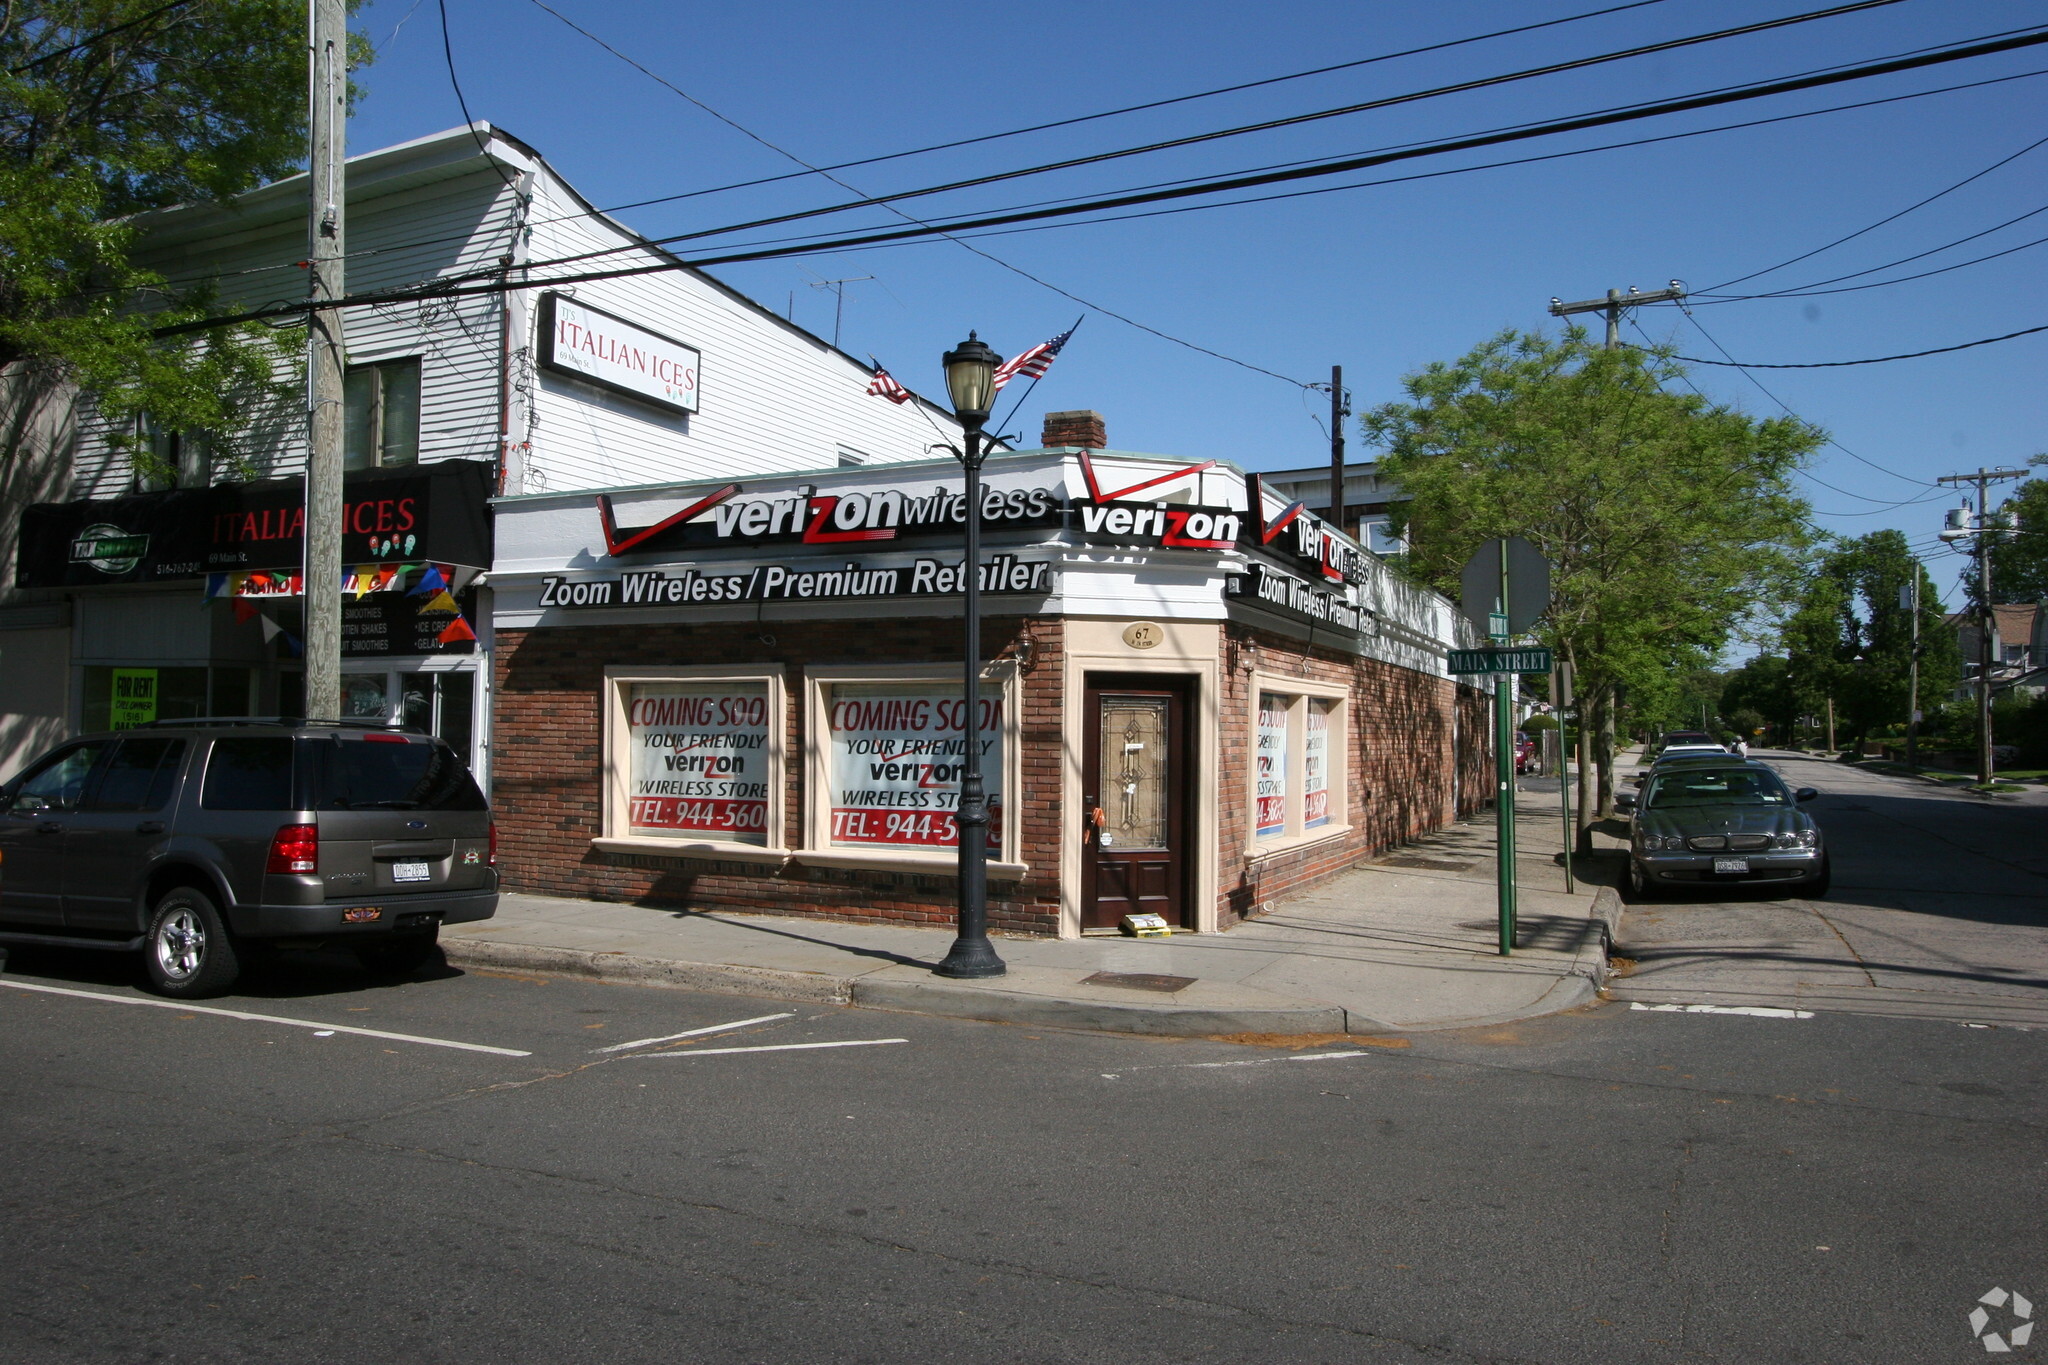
pixel 694 1033
pixel 267 1019
pixel 1251 1061
pixel 765 1047
pixel 1755 1011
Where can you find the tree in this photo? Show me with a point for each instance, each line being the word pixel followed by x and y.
pixel 1762 688
pixel 109 108
pixel 2019 564
pixel 1851 637
pixel 1667 519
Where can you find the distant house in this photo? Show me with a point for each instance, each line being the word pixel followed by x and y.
pixel 2019 647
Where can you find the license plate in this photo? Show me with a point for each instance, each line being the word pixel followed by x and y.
pixel 419 872
pixel 1720 864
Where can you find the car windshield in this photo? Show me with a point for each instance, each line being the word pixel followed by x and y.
pixel 1715 787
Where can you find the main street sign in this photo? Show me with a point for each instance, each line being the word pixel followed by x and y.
pixel 1533 660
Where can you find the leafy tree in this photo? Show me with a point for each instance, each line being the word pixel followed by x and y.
pixel 2019 564
pixel 110 108
pixel 1666 518
pixel 1762 688
pixel 1851 637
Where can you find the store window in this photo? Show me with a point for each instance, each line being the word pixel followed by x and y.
pixel 177 459
pixel 381 415
pixel 122 696
pixel 1297 777
pixel 886 760
pixel 695 756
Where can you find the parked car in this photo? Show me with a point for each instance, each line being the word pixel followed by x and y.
pixel 1525 751
pixel 201 843
pixel 1734 822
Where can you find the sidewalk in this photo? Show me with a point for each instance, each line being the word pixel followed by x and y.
pixel 1405 942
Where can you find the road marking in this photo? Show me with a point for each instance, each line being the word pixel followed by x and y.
pixel 768 1047
pixel 1755 1011
pixel 694 1033
pixel 1254 1061
pixel 267 1019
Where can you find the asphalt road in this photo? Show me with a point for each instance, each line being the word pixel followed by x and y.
pixel 1619 1184
pixel 1939 909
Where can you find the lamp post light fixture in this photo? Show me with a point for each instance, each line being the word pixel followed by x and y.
pixel 971 382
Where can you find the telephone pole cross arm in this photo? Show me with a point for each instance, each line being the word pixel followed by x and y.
pixel 1614 303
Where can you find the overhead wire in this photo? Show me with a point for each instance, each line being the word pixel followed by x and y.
pixel 1802 290
pixel 1871 360
pixel 1834 76
pixel 100 36
pixel 1892 218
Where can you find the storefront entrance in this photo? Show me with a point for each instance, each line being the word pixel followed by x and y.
pixel 1135 775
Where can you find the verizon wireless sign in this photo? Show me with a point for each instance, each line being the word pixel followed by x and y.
pixel 600 348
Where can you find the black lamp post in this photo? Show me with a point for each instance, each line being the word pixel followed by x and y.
pixel 971 381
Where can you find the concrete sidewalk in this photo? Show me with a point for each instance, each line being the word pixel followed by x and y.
pixel 1405 942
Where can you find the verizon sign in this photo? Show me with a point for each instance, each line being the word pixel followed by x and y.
pixel 594 346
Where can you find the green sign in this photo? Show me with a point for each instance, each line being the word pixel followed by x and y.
pixel 134 700
pixel 1532 660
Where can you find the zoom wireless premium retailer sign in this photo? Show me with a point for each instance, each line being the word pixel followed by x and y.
pixel 698 765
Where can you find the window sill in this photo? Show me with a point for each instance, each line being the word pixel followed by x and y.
pixel 1295 842
pixel 695 848
pixel 903 860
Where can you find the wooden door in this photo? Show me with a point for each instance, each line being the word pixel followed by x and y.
pixel 1135 795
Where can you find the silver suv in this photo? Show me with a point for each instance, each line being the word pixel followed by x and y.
pixel 201 843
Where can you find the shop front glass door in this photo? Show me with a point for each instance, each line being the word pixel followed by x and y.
pixel 1134 776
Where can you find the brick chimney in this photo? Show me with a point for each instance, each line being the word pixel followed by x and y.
pixel 1083 428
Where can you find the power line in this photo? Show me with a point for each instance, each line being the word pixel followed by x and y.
pixel 1769 269
pixel 1126 109
pixel 101 36
pixel 1803 290
pixel 448 53
pixel 994 260
pixel 1873 360
pixel 456 286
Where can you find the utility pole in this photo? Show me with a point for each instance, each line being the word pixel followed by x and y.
pixel 325 356
pixel 1909 598
pixel 1338 409
pixel 1611 306
pixel 838 288
pixel 1614 303
pixel 1985 532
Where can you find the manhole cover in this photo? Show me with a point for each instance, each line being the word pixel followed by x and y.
pixel 1139 981
pixel 1431 864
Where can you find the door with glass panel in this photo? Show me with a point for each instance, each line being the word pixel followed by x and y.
pixel 1135 776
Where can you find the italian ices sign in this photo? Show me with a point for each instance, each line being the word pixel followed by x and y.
pixel 699 765
pixel 896 760
pixel 1271 765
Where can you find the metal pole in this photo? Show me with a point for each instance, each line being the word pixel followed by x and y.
pixel 1984 636
pixel 972 955
pixel 1337 447
pixel 1913 677
pixel 325 356
pixel 1504 765
pixel 1561 697
pixel 1613 319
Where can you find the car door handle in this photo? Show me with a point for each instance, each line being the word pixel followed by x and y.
pixel 150 827
pixel 49 827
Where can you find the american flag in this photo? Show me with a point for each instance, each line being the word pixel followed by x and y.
pixel 885 385
pixel 1033 363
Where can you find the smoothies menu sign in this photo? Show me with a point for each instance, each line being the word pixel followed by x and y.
pixel 896 757
pixel 698 764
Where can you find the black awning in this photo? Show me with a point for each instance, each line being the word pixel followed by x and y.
pixel 436 512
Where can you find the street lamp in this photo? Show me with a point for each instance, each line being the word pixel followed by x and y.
pixel 971 382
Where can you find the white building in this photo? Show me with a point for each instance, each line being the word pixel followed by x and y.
pixel 184 598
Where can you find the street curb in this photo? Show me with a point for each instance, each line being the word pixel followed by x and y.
pixel 716 978
pixel 1181 1021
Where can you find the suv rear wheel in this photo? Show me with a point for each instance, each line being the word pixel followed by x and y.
pixel 187 951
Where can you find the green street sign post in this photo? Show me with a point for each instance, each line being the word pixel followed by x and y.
pixel 1503 588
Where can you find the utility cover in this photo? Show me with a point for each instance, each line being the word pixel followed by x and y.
pixel 1528 594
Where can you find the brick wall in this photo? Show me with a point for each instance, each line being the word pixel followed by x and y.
pixel 547 768
pixel 1400 762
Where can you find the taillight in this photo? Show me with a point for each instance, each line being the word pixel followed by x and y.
pixel 494 843
pixel 295 849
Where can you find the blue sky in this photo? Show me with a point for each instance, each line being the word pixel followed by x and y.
pixel 1380 280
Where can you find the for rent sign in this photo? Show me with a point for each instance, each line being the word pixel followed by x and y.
pixel 698 765
pixel 896 755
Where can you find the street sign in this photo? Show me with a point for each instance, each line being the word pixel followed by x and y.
pixel 1528 593
pixel 1536 659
